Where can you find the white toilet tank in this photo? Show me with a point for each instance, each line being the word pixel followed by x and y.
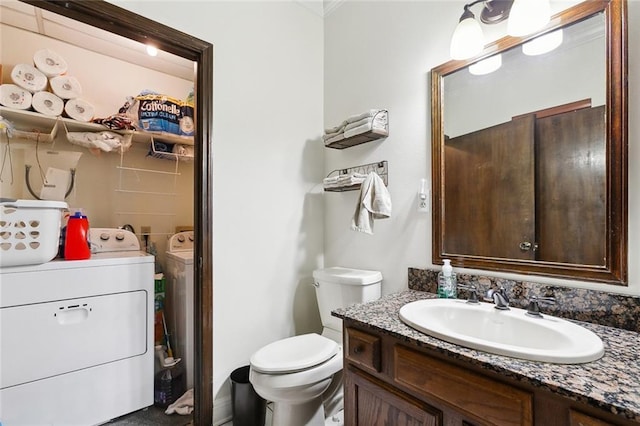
pixel 340 287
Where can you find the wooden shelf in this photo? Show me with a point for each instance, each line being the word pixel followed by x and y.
pixel 343 188
pixel 369 136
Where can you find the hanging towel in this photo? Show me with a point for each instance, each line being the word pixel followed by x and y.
pixel 374 203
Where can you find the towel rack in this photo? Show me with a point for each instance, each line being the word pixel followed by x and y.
pixel 371 135
pixel 381 168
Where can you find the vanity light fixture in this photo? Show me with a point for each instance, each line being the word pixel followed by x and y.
pixel 526 17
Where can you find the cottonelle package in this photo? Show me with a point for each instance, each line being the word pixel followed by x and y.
pixel 157 113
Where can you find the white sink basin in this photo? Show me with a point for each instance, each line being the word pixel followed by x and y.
pixel 511 333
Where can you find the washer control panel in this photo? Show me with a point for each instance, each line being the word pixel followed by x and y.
pixel 182 241
pixel 105 240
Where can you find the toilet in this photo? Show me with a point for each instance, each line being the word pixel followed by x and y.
pixel 302 375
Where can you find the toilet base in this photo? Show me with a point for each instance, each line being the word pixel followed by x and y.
pixel 335 420
pixel 309 413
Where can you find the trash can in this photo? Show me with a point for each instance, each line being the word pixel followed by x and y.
pixel 249 409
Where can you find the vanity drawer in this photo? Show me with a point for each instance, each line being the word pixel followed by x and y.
pixel 472 394
pixel 363 349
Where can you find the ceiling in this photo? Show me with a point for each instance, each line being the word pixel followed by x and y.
pixel 33 19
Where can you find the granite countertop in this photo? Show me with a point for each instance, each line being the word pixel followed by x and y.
pixel 611 383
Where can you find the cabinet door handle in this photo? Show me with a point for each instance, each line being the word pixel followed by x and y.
pixel 358 349
pixel 526 246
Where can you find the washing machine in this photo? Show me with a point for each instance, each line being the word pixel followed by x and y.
pixel 179 298
pixel 76 339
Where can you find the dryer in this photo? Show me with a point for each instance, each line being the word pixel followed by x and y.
pixel 76 337
pixel 179 298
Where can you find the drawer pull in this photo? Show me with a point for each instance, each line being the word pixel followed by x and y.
pixel 363 349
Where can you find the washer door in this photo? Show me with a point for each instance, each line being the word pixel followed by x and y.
pixel 46 339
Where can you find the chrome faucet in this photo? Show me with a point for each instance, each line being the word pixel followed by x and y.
pixel 472 297
pixel 498 297
pixel 533 309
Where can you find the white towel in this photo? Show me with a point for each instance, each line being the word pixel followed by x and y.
pixel 344 180
pixel 366 114
pixel 379 121
pixel 184 404
pixel 374 203
pixel 358 130
pixel 358 123
pixel 336 138
pixel 328 136
pixel 337 129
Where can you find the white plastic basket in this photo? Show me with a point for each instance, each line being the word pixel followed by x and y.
pixel 29 231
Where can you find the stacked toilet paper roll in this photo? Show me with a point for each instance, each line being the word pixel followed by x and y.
pixel 12 96
pixel 47 103
pixel 28 77
pixel 30 88
pixel 65 87
pixel 79 109
pixel 49 62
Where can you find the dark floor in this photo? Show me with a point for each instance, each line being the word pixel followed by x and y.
pixel 151 416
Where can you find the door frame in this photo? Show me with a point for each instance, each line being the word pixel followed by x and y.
pixel 114 19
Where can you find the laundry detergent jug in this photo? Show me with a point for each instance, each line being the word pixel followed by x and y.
pixel 76 244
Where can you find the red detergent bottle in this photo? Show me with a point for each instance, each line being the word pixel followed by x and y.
pixel 76 245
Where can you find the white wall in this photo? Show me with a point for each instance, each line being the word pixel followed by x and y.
pixel 268 160
pixel 378 54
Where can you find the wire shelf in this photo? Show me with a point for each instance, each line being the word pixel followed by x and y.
pixel 381 168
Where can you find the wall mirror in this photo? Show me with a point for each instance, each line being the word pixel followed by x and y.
pixel 529 160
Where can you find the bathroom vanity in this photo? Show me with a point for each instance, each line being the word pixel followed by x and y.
pixel 397 375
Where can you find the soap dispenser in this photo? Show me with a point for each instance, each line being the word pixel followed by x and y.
pixel 447 281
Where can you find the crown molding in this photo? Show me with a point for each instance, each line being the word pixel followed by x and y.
pixel 322 8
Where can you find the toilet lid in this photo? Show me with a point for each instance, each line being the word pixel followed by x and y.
pixel 294 354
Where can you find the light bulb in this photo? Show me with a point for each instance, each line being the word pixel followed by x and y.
pixel 152 50
pixel 467 40
pixel 528 16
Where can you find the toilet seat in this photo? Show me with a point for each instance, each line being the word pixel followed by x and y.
pixel 294 354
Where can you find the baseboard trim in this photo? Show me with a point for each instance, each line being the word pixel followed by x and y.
pixel 222 411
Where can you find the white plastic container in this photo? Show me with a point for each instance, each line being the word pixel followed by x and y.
pixel 29 231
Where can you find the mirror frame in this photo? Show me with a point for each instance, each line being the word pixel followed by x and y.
pixel 614 271
pixel 109 17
